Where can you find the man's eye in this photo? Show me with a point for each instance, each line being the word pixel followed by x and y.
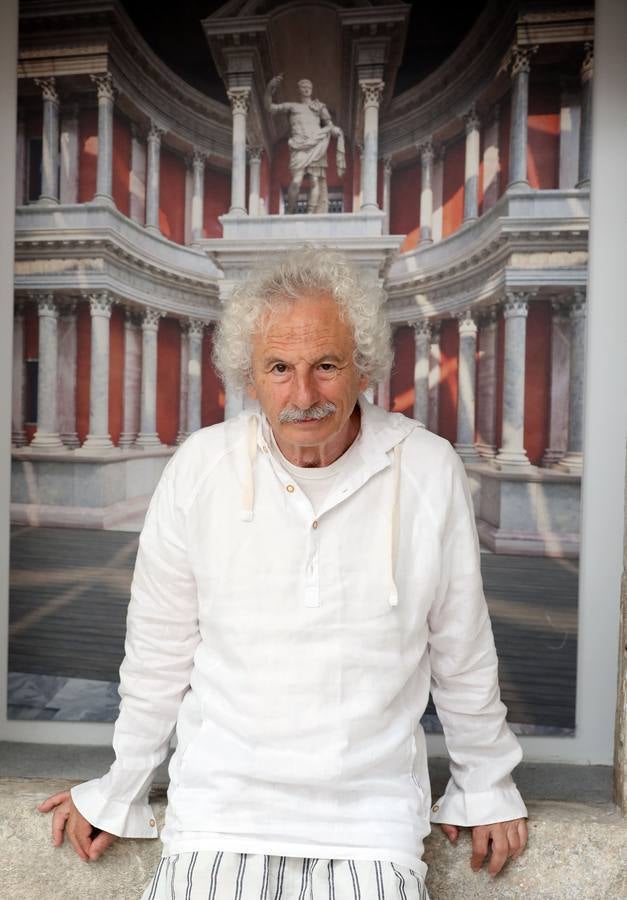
pixel 279 368
pixel 327 367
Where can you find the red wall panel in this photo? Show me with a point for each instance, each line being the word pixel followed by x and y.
pixel 116 372
pixel 172 196
pixel 168 379
pixel 402 377
pixel 537 380
pixel 83 364
pixel 453 187
pixel 543 136
pixel 212 405
pixel 217 201
pixel 449 350
pixel 121 164
pixel 504 131
pixel 87 154
pixel 405 204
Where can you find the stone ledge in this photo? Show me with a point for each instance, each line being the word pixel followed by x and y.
pixel 576 850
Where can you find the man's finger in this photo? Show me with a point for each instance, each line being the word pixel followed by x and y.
pixel 100 843
pixel 451 831
pixel 500 851
pixel 50 802
pixel 479 848
pixel 521 829
pixel 79 834
pixel 59 818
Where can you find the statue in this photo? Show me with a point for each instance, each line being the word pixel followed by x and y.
pixel 311 128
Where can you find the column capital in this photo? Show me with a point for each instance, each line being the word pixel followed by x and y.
pixel 559 309
pixel 101 304
pixel 137 132
pixel 466 323
pixel 70 112
pixel 577 306
pixel 490 315
pixel 520 59
pixel 239 99
pixel 194 327
pixel 471 119
pixel 387 165
pixel 587 66
pixel 150 319
pixel 372 90
pixel 198 159
pixel 48 87
pixel 46 305
pixel 67 308
pixel 426 151
pixel 155 133
pixel 255 154
pixel 104 85
pixel 422 328
pixel 516 304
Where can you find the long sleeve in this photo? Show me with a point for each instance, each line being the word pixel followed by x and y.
pixel 161 638
pixel 464 680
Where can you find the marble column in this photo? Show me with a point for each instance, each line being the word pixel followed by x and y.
pixel 254 180
pixel 195 328
pixel 585 129
pixel 104 171
pixel 573 459
pixel 570 120
pixel 486 384
pixel 438 193
pixel 99 439
pixel 560 364
pixel 18 435
pixel 148 437
pixel 240 99
pixel 198 194
pixel 131 380
pixel 153 177
pixel 465 443
pixel 183 430
pixel 491 161
pixel 512 451
pixel 426 193
pixel 67 374
pixel 50 143
pixel 357 198
pixel 422 342
pixel 20 159
pixel 47 436
pixel 387 192
pixel 137 181
pixel 383 396
pixel 371 91
pixel 520 67
pixel 471 168
pixel 68 147
pixel 434 378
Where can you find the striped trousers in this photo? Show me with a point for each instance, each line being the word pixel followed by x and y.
pixel 218 875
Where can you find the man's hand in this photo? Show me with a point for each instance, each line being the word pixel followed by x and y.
pixel 275 82
pixel 88 842
pixel 508 840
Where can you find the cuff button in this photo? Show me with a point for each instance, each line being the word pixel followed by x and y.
pixel 435 807
pixel 152 823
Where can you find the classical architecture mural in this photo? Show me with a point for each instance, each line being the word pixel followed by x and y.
pixel 141 202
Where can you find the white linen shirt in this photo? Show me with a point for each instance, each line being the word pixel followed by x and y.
pixel 294 653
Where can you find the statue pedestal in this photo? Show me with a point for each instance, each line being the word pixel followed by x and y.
pixel 301 228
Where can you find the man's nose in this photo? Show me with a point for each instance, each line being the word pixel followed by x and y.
pixel 304 390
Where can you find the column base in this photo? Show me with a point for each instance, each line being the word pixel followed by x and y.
pixel 127 440
pixel 44 200
pixel 47 441
pixel 467 452
pixel 18 439
pixel 511 459
pixel 518 186
pixel 104 200
pixel 181 437
pixel 153 229
pixel 486 451
pixel 571 462
pixel 369 208
pixel 237 211
pixel 97 442
pixel 146 441
pixel 551 457
pixel 70 439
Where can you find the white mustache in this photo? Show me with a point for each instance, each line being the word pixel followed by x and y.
pixel 292 414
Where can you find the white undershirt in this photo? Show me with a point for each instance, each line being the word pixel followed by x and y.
pixel 315 481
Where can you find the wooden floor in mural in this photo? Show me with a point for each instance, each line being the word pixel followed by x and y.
pixel 69 593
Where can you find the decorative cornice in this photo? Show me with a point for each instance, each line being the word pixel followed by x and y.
pixel 105 89
pixel 48 88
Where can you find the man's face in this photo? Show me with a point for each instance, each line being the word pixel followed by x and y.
pixel 302 358
pixel 306 89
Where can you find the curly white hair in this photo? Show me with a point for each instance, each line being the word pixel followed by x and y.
pixel 307 272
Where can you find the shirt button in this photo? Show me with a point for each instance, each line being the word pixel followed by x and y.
pixel 435 807
pixel 290 488
pixel 152 823
pixel 315 524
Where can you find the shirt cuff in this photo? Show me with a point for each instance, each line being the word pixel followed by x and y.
pixel 130 820
pixel 458 807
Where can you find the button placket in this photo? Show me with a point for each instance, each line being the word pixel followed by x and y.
pixel 312 573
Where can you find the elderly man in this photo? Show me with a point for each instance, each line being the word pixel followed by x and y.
pixel 306 574
pixel 311 128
